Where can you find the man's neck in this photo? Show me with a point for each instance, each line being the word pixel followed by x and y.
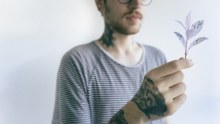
pixel 118 42
pixel 121 47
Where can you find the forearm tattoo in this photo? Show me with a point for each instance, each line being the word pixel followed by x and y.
pixel 149 100
pixel 107 37
pixel 118 118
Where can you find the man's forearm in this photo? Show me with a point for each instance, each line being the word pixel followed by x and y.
pixel 129 114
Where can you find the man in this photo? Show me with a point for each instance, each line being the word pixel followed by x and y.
pixel 115 80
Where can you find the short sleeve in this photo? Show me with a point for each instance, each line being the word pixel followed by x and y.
pixel 71 104
pixel 161 57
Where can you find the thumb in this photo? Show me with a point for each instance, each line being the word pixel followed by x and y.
pixel 186 63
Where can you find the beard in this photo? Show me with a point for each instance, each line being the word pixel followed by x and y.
pixel 125 28
pixel 121 25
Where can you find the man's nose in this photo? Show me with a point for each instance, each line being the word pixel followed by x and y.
pixel 135 4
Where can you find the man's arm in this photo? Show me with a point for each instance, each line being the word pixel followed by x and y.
pixel 129 114
pixel 71 105
pixel 160 95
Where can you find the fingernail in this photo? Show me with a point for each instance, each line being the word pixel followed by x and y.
pixel 190 62
pixel 181 58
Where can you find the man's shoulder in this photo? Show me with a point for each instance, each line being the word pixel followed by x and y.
pixel 153 50
pixel 154 54
pixel 82 51
pixel 85 55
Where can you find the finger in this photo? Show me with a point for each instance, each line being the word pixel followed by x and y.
pixel 172 79
pixel 177 103
pixel 169 68
pixel 175 90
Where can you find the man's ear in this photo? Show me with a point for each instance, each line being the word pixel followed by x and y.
pixel 100 5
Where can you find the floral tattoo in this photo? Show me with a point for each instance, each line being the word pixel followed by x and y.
pixel 149 100
pixel 118 118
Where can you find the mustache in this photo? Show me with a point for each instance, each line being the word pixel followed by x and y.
pixel 134 12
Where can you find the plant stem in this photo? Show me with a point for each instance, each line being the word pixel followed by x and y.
pixel 186 47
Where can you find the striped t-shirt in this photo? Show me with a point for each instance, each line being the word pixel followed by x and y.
pixel 92 86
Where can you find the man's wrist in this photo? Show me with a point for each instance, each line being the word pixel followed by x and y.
pixel 133 114
pixel 149 100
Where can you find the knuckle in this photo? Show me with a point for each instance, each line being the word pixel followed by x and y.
pixel 149 74
pixel 182 87
pixel 180 75
pixel 175 65
pixel 167 98
pixel 165 95
pixel 171 110
pixel 184 96
pixel 157 85
pixel 160 85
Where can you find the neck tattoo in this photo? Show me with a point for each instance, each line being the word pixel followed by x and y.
pixel 107 37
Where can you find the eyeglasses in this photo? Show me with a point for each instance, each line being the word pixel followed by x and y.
pixel 143 2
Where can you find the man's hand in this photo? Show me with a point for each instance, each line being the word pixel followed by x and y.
pixel 160 95
pixel 162 91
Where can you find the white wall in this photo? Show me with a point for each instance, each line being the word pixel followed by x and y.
pixel 34 34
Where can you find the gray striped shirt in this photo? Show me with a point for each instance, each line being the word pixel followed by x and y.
pixel 92 86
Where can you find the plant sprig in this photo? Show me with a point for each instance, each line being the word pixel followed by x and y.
pixel 190 32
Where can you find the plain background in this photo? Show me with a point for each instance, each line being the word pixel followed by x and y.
pixel 34 34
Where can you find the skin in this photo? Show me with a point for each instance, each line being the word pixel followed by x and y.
pixel 162 91
pixel 163 94
pixel 118 118
pixel 117 38
pixel 149 99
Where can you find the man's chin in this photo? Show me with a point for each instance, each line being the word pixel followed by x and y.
pixel 128 29
pixel 131 31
